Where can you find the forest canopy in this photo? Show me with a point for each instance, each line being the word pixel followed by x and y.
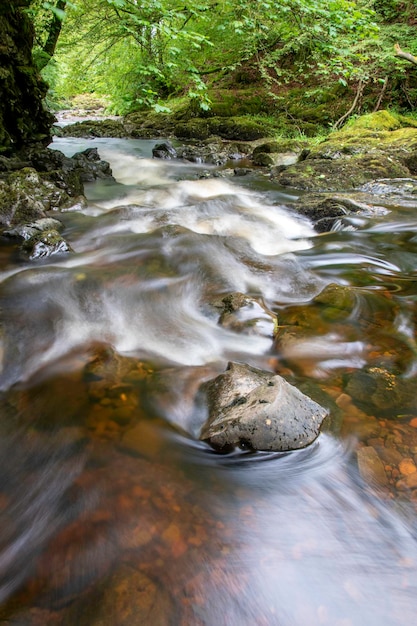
pixel 140 52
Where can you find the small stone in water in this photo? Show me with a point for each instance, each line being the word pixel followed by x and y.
pixel 260 410
pixel 371 468
pixel 407 467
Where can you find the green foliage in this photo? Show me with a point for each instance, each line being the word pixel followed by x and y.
pixel 140 53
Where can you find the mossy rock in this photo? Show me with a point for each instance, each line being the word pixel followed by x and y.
pixel 380 120
pixel 348 142
pixel 193 129
pixel 248 315
pixel 340 174
pixel 337 301
pixel 237 102
pixel 23 197
pixel 275 159
pixel 400 143
pixel 44 244
pixel 407 121
pixel 327 209
pixel 235 128
pixel 95 128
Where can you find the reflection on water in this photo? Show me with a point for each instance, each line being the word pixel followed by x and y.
pixel 111 511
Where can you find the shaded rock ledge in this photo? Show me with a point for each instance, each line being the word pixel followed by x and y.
pixel 39 180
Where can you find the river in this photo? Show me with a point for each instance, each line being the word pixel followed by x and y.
pixel 113 513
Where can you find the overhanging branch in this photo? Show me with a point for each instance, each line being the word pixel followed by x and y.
pixel 404 55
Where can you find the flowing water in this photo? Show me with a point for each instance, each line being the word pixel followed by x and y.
pixel 112 512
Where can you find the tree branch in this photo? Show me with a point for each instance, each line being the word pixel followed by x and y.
pixel 405 55
pixel 382 94
pixel 359 92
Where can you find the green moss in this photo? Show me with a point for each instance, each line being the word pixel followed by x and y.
pixel 237 102
pixel 92 128
pixel 406 120
pixel 320 114
pixel 339 174
pixel 193 129
pixel 379 121
pixel 241 128
pixel 355 139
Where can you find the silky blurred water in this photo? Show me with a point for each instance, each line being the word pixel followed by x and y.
pixel 103 354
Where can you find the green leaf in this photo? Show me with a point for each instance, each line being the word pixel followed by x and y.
pixel 60 13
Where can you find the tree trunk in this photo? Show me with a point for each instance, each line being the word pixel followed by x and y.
pixel 23 119
pixel 54 32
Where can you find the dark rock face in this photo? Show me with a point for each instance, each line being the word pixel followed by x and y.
pixel 164 150
pixel 255 408
pixel 69 173
pixel 38 180
pixel 90 166
pixel 23 120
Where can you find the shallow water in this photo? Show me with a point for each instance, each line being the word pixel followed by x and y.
pixel 112 511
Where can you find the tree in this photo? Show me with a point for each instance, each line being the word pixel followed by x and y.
pixel 23 118
pixel 48 19
pixel 141 51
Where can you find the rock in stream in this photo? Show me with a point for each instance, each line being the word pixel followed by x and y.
pixel 257 409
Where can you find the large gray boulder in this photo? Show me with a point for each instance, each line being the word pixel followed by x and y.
pixel 257 409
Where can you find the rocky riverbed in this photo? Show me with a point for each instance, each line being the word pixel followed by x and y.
pixel 183 257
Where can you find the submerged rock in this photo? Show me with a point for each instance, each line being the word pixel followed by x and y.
pixel 380 391
pixel 255 408
pixel 129 599
pixel 371 467
pixel 241 313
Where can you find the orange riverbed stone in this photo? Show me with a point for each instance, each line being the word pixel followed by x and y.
pixel 407 467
